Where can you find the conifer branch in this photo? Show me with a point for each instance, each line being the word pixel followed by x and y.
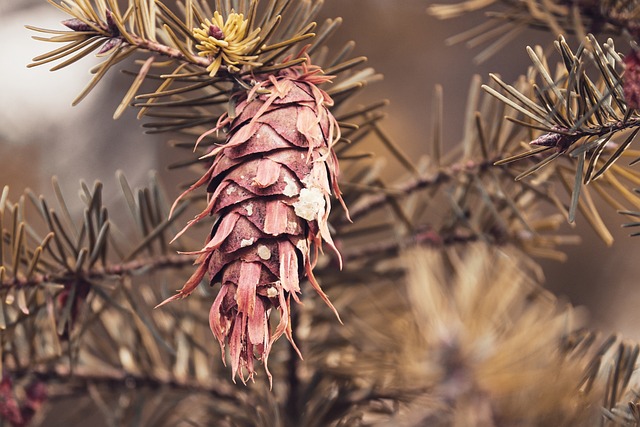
pixel 193 71
pixel 506 19
pixel 445 336
pixel 587 122
pixel 475 195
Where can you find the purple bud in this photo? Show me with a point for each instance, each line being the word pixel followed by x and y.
pixel 560 141
pixel 111 24
pixel 216 32
pixel 547 139
pixel 110 44
pixel 76 25
pixel 631 79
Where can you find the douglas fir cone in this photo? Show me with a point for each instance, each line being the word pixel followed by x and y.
pixel 270 186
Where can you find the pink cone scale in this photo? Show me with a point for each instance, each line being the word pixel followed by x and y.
pixel 270 186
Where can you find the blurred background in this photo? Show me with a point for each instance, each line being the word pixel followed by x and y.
pixel 41 135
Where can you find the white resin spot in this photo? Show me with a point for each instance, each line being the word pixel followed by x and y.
pixel 310 203
pixel 272 292
pixel 246 242
pixel 230 190
pixel 264 252
pixel 249 208
pixel 290 188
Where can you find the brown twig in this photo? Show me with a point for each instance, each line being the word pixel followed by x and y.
pixel 84 375
pixel 127 268
pixel 373 201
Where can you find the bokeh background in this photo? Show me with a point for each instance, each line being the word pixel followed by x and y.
pixel 41 135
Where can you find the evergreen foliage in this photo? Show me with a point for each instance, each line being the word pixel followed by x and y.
pixel 434 274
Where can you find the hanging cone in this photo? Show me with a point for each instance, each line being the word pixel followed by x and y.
pixel 270 186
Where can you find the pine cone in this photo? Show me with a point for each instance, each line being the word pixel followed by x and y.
pixel 270 186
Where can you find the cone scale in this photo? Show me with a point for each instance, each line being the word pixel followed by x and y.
pixel 270 187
